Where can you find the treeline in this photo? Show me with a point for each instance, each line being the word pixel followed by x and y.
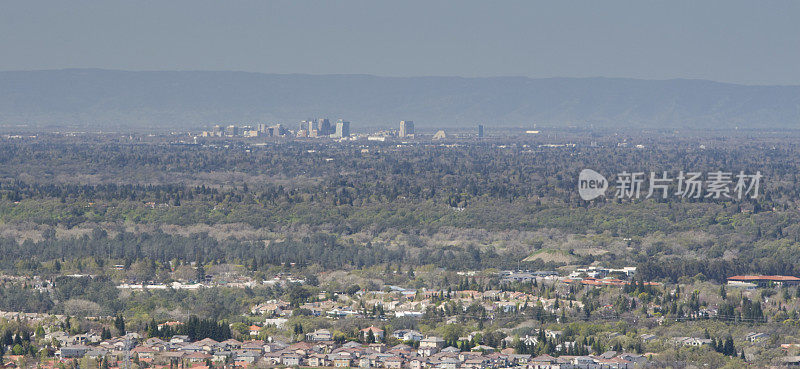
pixel 155 251
pixel 325 250
pixel 125 246
pixel 195 328
pixel 100 290
pixel 337 190
pixel 455 176
pixel 18 298
pixel 161 248
pixel 19 342
pixel 331 252
pixel 760 261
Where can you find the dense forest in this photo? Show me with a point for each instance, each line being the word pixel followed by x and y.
pixel 127 233
pixel 357 205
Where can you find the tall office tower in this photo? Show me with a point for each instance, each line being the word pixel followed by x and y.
pixel 232 131
pixel 324 127
pixel 262 128
pixel 342 129
pixel 480 130
pixel 218 131
pixel 310 125
pixel 303 131
pixel 406 128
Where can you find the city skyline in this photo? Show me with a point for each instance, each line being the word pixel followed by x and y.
pixel 522 184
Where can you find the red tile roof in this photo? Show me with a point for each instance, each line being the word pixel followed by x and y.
pixel 773 278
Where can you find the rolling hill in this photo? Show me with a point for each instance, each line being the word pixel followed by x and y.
pixel 112 100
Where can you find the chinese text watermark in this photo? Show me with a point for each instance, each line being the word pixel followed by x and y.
pixel 689 185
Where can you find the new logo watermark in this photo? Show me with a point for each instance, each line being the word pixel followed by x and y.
pixel 690 185
pixel 591 184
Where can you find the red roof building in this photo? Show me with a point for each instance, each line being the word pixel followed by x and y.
pixel 766 279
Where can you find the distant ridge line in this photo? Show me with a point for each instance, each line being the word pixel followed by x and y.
pixel 112 99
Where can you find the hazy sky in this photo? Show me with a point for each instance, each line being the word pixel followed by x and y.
pixel 752 42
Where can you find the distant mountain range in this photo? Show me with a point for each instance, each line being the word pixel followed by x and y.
pixel 114 100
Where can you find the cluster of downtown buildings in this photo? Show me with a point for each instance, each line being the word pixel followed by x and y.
pixel 316 128
pixel 323 128
pixel 260 130
pixel 308 128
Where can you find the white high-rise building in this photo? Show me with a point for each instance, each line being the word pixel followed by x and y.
pixel 342 129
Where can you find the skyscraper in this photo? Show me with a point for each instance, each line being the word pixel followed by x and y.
pixel 232 131
pixel 218 131
pixel 480 130
pixel 310 127
pixel 342 129
pixel 406 128
pixel 303 131
pixel 324 127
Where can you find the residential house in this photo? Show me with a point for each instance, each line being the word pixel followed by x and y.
pixel 450 350
pixel 790 361
pixel 756 337
pixel 96 353
pixel 393 362
pixel 155 343
pixel 418 363
pixel 72 351
pixel 319 335
pixel 342 360
pixel 543 362
pixel 291 359
pixel 221 356
pixel 207 344
pixel 377 333
pixel 272 358
pixel 648 337
pixel 230 344
pixel 427 350
pixel 407 335
pixel 476 363
pixel 172 357
pixel 143 352
pixel 432 342
pixel 279 323
pixel 248 357
pixel 448 363
pixel 256 346
pixel 318 360
pixel 179 339
pixel 483 348
pixel 378 347
pixel 519 359
pixel 198 357
pixel 583 361
pixel 634 358
pixel 275 346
